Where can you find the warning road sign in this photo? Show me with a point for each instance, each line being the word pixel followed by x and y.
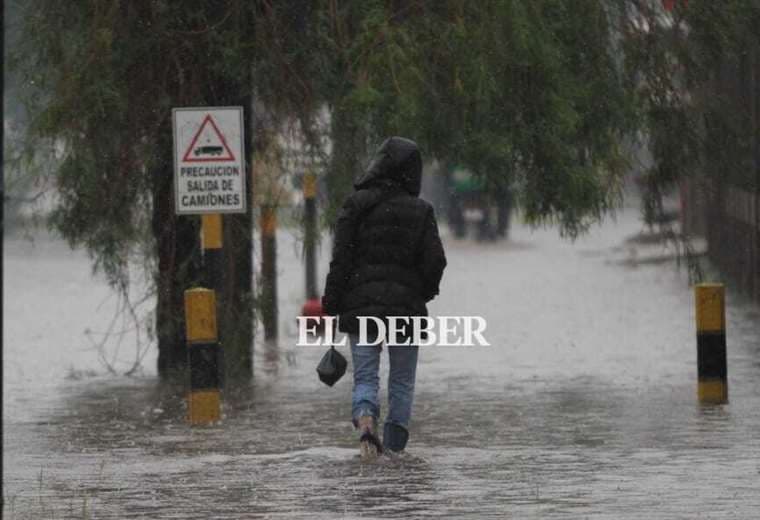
pixel 209 171
pixel 208 145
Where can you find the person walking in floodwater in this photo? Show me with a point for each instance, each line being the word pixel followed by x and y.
pixel 387 260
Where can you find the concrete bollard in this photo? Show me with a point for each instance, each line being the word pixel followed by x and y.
pixel 204 401
pixel 712 371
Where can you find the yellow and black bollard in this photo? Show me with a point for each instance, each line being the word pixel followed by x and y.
pixel 712 369
pixel 212 230
pixel 204 399
pixel 211 243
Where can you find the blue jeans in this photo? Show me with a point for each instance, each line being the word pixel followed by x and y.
pixel 364 401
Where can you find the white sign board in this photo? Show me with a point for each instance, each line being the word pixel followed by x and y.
pixel 209 167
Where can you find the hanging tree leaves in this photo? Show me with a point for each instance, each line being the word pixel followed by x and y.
pixel 527 93
pixel 516 91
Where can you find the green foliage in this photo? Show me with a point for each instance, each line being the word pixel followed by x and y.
pixel 518 91
pixel 101 78
pixel 527 93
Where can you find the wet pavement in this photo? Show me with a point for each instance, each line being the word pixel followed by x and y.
pixel 583 407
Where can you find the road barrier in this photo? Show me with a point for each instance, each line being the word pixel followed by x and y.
pixel 712 371
pixel 204 401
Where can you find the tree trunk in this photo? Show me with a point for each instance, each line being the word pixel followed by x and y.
pixel 179 262
pixel 269 314
pixel 237 313
pixel 180 268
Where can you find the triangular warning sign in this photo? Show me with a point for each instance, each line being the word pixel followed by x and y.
pixel 208 144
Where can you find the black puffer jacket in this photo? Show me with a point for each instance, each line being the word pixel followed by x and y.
pixel 387 257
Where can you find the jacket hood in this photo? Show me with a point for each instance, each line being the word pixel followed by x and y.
pixel 397 160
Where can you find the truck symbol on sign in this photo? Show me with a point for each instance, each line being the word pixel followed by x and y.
pixel 208 150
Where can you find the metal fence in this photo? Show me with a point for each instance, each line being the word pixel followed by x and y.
pixel 722 203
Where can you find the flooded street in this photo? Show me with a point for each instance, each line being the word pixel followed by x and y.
pixel 583 407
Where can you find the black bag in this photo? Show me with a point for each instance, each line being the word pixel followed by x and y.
pixel 332 367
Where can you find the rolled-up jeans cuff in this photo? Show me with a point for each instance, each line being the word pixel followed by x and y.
pixel 397 423
pixel 395 437
pixel 363 411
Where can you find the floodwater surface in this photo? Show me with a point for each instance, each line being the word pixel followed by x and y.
pixel 584 405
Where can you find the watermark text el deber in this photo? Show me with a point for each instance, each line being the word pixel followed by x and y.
pixel 423 331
